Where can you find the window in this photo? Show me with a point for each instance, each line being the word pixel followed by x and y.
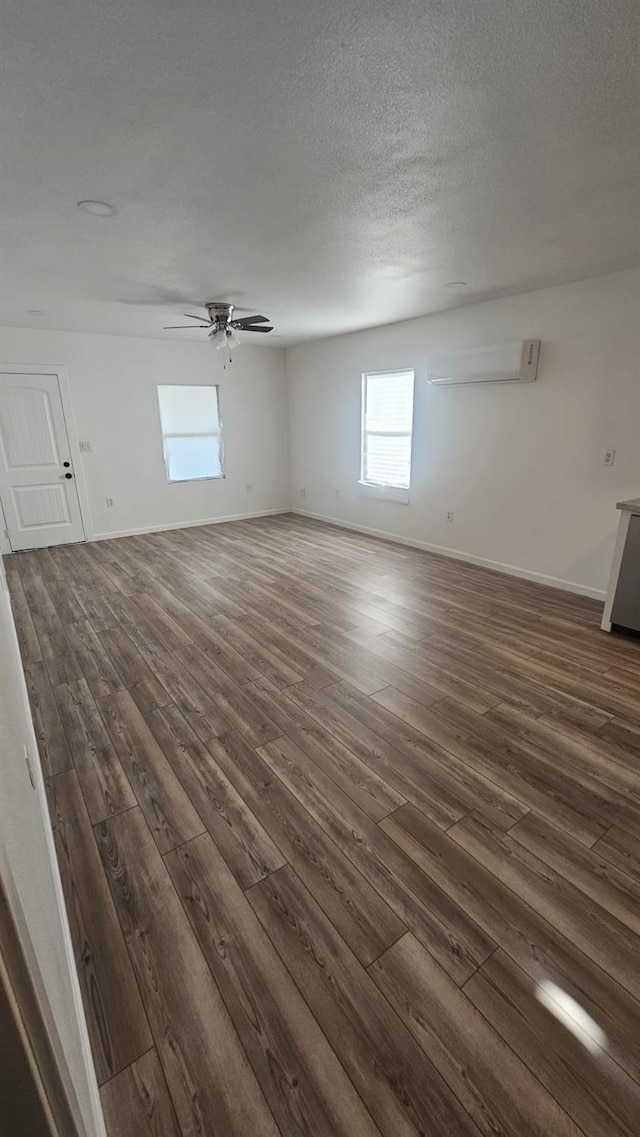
pixel 387 417
pixel 191 432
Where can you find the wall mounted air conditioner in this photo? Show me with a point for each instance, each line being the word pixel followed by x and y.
pixel 507 363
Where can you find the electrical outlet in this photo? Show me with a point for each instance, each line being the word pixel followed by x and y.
pixel 84 447
pixel 609 458
pixel 109 501
pixel 303 492
pixel 249 487
pixel 449 515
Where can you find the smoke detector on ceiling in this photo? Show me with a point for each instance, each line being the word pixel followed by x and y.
pixel 97 208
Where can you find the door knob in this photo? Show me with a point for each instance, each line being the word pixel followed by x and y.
pixel 68 475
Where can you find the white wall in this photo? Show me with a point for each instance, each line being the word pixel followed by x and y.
pixel 520 466
pixel 113 382
pixel 29 872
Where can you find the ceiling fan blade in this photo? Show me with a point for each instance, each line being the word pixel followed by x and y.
pixel 190 316
pixel 259 328
pixel 182 327
pixel 244 321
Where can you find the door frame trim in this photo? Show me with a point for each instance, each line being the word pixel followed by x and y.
pixel 64 386
pixel 41 1058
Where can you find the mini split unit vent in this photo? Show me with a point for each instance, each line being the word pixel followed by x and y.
pixel 508 363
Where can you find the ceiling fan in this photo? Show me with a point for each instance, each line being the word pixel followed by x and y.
pixel 221 325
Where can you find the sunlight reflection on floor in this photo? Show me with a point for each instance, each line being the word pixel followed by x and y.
pixel 569 1012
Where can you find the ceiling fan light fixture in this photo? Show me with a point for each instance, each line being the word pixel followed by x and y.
pixel 218 338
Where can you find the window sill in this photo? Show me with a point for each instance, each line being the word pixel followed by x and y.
pixel 384 493
pixel 206 478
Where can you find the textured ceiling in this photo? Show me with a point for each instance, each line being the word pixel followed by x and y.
pixel 331 163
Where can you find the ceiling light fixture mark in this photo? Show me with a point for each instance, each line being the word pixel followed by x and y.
pixel 97 208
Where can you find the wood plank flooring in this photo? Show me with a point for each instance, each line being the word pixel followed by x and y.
pixel 349 835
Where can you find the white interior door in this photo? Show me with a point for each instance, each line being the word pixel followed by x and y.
pixel 37 482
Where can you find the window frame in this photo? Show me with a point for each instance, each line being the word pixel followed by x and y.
pixel 219 435
pixel 383 490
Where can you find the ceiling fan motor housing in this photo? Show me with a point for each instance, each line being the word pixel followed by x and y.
pixel 220 314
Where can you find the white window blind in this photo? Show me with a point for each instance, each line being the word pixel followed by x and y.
pixel 387 418
pixel 191 432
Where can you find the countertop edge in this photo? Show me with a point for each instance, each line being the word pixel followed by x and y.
pixel 632 505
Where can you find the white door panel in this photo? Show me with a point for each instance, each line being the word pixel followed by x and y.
pixel 37 483
pixel 41 506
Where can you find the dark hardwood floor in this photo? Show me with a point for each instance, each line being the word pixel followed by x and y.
pixel 349 835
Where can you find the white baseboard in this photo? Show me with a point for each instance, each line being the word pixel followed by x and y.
pixel 456 555
pixel 187 524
